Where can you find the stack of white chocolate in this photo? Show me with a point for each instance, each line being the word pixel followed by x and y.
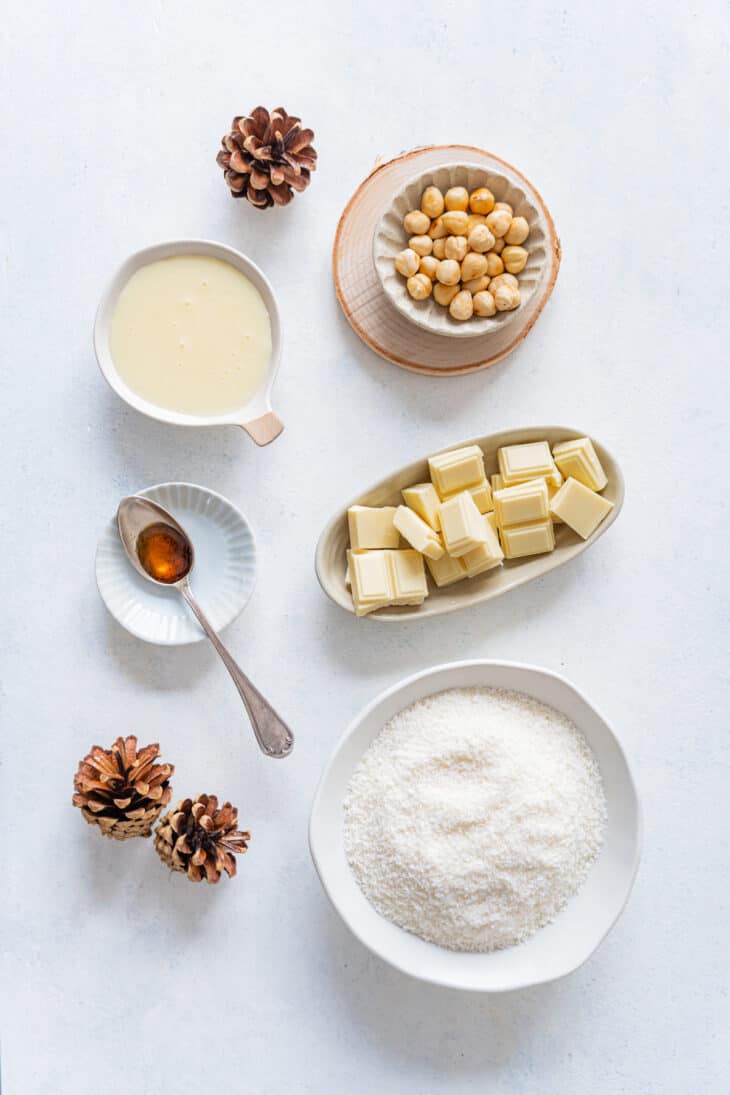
pixel 460 525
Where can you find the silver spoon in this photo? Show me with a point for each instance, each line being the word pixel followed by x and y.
pixel 143 528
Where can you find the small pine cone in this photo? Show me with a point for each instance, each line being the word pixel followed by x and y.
pixel 201 840
pixel 266 157
pixel 122 789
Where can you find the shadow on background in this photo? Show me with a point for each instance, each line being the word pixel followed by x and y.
pixel 414 1021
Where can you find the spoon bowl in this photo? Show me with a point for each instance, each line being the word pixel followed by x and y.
pixel 134 515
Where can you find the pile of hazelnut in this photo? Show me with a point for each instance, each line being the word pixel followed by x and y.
pixel 466 249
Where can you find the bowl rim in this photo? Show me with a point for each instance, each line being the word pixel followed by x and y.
pixel 259 404
pixel 388 693
pixel 147 492
pixel 483 326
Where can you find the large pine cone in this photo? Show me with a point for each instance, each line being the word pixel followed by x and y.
pixel 122 790
pixel 201 840
pixel 266 157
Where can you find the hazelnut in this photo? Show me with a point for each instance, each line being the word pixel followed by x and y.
pixel 473 266
pixel 476 285
pixel 504 206
pixel 506 298
pixel 481 239
pixel 406 262
pixel 456 223
pixel 503 279
pixel 416 223
pixel 497 247
pixel 449 272
pixel 473 220
pixel 456 247
pixel 495 265
pixel 498 222
pixel 481 200
pixel 439 248
pixel 437 231
pixel 422 245
pixel 518 231
pixel 514 259
pixel 432 201
pixel 484 304
pixel 428 266
pixel 461 306
pixel 456 198
pixel 444 294
pixel 419 286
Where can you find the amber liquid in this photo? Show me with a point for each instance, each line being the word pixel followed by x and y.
pixel 164 553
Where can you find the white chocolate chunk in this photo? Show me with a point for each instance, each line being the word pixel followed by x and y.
pixel 461 524
pixel 408 577
pixel 487 556
pixel 381 578
pixel 372 584
pixel 492 520
pixel 518 463
pixel 446 570
pixel 482 495
pixel 580 507
pixel 456 470
pixel 371 527
pixel 534 539
pixel 578 459
pixel 522 504
pixel 423 500
pixel 418 533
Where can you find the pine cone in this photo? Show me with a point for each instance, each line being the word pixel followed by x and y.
pixel 200 840
pixel 121 789
pixel 266 157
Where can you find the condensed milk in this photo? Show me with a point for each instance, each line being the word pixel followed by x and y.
pixel 191 334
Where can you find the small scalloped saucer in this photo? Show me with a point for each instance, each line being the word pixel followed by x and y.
pixel 367 308
pixel 223 577
pixel 390 238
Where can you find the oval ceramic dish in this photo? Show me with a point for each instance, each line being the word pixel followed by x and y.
pixel 390 238
pixel 555 950
pixel 223 576
pixel 256 416
pixel 330 558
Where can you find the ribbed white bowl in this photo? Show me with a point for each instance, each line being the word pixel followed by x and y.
pixel 223 576
pixel 390 238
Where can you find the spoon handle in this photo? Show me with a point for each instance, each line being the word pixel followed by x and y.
pixel 273 735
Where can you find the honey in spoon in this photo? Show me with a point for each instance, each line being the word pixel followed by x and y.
pixel 164 553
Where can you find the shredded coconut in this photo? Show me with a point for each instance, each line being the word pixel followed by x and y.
pixel 473 817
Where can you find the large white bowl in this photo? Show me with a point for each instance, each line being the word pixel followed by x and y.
pixel 555 950
pixel 390 237
pixel 255 416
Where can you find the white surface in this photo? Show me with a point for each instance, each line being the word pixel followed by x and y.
pixel 110 124
pixel 559 947
pixel 224 569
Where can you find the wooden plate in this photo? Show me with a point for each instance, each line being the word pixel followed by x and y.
pixel 331 555
pixel 366 306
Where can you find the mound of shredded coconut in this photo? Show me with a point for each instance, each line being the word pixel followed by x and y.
pixel 473 817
